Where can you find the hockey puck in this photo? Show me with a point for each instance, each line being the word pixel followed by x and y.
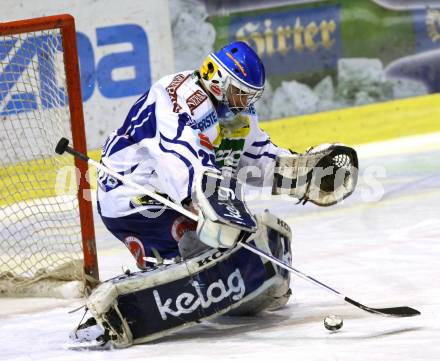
pixel 333 323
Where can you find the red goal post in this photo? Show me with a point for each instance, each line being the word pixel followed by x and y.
pixel 28 105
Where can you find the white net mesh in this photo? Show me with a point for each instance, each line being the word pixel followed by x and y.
pixel 39 219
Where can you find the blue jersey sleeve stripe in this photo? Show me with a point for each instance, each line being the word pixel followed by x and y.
pixel 261 144
pixel 144 126
pixel 258 156
pixel 108 145
pixel 132 113
pixel 181 142
pixel 188 166
pixel 121 143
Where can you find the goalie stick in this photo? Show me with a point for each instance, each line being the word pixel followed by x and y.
pixel 403 311
pixel 63 146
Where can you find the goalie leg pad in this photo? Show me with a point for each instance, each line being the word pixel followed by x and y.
pixel 147 305
pixel 274 236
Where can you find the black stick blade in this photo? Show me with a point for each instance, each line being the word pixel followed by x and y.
pixel 403 311
pixel 62 146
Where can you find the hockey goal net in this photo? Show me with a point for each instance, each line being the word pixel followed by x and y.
pixel 46 223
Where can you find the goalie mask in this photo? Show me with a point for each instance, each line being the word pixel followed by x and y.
pixel 234 76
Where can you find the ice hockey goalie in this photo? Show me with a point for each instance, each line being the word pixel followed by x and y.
pixel 189 138
pixel 147 305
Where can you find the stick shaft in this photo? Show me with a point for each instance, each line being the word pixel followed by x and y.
pixel 290 269
pixel 126 181
pixel 403 311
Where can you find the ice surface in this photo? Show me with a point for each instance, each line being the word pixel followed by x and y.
pixel 380 247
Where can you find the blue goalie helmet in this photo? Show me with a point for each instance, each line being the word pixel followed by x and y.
pixel 234 76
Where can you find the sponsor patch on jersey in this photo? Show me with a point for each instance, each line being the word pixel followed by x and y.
pixel 180 226
pixel 146 200
pixel 228 158
pixel 177 81
pixel 195 99
pixel 205 142
pixel 137 250
pixel 106 182
pixel 207 121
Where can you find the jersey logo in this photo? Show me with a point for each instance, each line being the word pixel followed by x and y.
pixel 177 81
pixel 182 225
pixel 237 127
pixel 195 99
pixel 207 121
pixel 205 142
pixel 137 250
pixel 106 182
pixel 228 157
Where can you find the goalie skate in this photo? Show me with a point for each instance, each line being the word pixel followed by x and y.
pixel 88 336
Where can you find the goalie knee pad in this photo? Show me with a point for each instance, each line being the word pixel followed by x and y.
pixel 274 236
pixel 143 306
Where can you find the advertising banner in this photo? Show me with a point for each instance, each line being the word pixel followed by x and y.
pixel 338 53
pixel 122 49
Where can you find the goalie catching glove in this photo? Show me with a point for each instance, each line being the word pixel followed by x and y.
pixel 324 175
pixel 223 215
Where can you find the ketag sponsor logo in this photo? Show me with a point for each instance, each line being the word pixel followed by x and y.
pixel 188 302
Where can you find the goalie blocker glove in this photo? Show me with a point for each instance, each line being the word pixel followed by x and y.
pixel 223 215
pixel 324 175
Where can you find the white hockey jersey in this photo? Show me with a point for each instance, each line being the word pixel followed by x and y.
pixel 170 136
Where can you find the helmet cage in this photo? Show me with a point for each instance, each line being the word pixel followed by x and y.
pixel 237 90
pixel 219 81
